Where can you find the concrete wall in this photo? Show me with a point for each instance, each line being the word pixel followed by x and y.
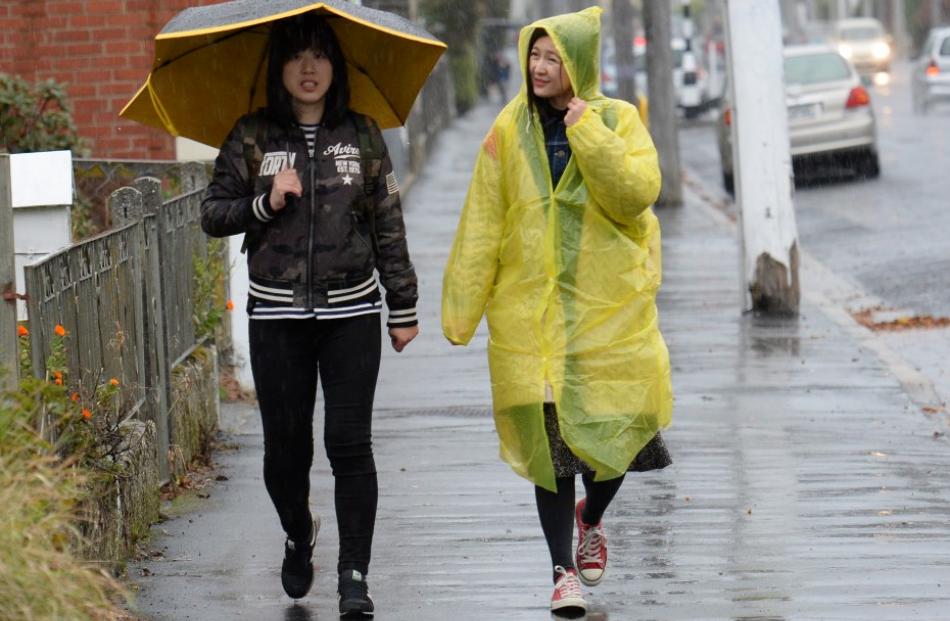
pixel 121 508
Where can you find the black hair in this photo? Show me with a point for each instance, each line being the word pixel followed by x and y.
pixel 533 100
pixel 290 36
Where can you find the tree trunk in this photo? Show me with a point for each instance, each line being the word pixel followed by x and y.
pixel 659 57
pixel 790 18
pixel 622 17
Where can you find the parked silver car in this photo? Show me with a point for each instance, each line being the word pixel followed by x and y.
pixel 830 118
pixel 930 77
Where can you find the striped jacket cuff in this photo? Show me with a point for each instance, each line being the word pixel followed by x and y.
pixel 261 208
pixel 402 318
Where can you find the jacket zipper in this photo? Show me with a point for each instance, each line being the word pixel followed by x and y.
pixel 313 218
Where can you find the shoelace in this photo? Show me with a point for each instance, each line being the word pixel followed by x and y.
pixel 594 541
pixel 567 584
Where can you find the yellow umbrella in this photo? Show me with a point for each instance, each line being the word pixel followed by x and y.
pixel 210 65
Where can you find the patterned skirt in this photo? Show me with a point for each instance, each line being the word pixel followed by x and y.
pixel 653 456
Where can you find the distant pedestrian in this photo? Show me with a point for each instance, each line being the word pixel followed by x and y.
pixel 557 244
pixel 310 185
pixel 502 72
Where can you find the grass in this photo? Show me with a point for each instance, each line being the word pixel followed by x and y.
pixel 40 578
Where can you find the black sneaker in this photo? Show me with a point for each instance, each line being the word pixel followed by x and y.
pixel 355 601
pixel 296 574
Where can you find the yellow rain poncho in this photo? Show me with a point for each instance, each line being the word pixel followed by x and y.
pixel 567 275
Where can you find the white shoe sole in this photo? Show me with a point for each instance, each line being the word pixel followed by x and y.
pixel 586 581
pixel 570 602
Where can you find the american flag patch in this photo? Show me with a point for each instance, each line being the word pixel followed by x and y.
pixel 392 186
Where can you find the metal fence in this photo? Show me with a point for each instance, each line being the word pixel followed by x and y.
pixel 126 300
pixel 431 114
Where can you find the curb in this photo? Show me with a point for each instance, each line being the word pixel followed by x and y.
pixel 831 293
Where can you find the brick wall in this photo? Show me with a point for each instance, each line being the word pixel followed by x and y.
pixel 102 50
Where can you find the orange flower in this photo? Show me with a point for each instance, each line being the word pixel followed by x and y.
pixel 74 397
pixel 59 330
pixel 86 414
pixel 230 305
pixel 58 381
pixel 22 331
pixel 114 382
pixel 58 375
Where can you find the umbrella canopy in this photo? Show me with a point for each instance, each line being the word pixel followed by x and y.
pixel 210 65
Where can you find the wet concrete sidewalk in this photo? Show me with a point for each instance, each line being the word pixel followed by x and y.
pixel 805 485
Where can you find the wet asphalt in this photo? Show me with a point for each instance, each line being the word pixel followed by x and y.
pixel 886 237
pixel 806 485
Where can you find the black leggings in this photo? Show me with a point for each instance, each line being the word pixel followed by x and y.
pixel 287 356
pixel 556 511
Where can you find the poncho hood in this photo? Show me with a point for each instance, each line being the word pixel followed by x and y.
pixel 577 39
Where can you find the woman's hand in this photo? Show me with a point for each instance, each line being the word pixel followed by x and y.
pixel 575 108
pixel 401 337
pixel 285 182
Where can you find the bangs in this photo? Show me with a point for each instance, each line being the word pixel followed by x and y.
pixel 297 35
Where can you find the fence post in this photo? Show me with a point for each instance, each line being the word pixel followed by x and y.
pixel 156 346
pixel 125 207
pixel 194 176
pixel 151 189
pixel 8 339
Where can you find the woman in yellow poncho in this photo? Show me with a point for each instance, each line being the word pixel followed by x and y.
pixel 558 245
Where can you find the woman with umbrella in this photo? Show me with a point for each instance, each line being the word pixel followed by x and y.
pixel 558 245
pixel 311 186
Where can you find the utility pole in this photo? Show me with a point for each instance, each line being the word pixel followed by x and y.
pixel 763 164
pixel 9 360
pixel 622 17
pixel 659 56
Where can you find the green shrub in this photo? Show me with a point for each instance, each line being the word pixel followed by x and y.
pixel 36 117
pixel 210 303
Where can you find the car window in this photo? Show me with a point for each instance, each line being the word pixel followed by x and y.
pixel 816 68
pixel 945 47
pixel 861 34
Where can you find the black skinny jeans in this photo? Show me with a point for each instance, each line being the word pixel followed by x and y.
pixel 287 356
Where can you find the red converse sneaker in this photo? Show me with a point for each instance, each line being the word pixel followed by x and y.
pixel 567 595
pixel 591 557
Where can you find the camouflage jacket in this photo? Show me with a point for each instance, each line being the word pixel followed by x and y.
pixel 319 252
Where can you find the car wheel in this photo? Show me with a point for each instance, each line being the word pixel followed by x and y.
pixel 728 182
pixel 870 166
